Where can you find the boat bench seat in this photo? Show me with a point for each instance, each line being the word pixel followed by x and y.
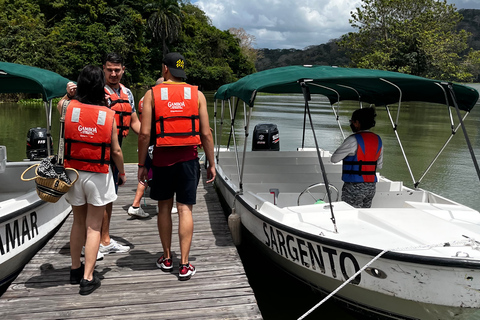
pixel 398 199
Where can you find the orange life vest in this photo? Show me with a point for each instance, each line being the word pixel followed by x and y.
pixel 140 108
pixel 88 137
pixel 122 107
pixel 177 121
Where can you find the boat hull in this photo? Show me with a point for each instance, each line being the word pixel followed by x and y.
pixel 333 265
pixel 26 222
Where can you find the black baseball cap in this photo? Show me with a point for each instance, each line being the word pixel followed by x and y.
pixel 176 64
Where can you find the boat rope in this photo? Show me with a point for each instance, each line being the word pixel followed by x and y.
pixel 470 242
pixel 344 284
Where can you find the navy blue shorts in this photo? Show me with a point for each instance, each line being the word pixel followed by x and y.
pixel 181 179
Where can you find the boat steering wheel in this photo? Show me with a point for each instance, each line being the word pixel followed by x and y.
pixel 322 190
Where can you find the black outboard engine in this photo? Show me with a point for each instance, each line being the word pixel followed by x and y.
pixel 37 143
pixel 265 137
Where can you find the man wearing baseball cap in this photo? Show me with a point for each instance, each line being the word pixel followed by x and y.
pixel 180 125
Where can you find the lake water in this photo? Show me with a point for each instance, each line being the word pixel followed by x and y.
pixel 423 129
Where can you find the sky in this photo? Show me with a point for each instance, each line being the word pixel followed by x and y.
pixel 286 24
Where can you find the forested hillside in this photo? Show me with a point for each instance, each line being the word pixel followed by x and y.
pixel 331 54
pixel 471 23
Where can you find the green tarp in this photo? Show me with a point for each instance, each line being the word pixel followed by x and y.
pixel 371 86
pixel 17 78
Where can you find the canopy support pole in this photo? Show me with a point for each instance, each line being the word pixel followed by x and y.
pixel 394 126
pixel 307 97
pixel 304 125
pixel 246 127
pixel 440 152
pixel 215 139
pixel 454 131
pixel 48 113
pixel 335 112
pixel 232 134
pixel 356 91
pixel 222 111
pixel 455 104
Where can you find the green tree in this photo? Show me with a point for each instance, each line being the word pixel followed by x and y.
pixel 246 42
pixel 165 21
pixel 86 30
pixel 472 64
pixel 64 36
pixel 412 36
pixel 25 38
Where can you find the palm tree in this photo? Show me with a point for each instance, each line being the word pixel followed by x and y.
pixel 165 21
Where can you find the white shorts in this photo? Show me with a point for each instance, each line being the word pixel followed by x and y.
pixel 93 188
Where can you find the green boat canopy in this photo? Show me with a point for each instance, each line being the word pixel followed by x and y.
pixel 337 84
pixel 18 78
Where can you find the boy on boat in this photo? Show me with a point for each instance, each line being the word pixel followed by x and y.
pixel 362 155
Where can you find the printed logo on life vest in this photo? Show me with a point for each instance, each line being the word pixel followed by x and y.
pixel 176 106
pixel 311 255
pixel 87 130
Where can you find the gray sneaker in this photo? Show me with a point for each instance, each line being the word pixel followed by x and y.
pixel 137 212
pixel 114 247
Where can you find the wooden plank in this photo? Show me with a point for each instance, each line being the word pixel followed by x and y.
pixel 132 286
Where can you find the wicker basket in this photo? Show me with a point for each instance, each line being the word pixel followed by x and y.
pixel 49 189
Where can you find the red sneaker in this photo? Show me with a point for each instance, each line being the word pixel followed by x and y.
pixel 186 271
pixel 165 264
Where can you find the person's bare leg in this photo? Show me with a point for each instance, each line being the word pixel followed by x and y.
pixel 105 232
pixel 93 225
pixel 77 234
pixel 164 223
pixel 138 195
pixel 185 229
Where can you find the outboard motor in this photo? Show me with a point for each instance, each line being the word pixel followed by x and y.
pixel 265 137
pixel 37 143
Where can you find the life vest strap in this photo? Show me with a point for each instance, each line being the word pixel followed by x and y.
pixel 123 113
pixel 360 163
pixel 163 134
pixel 104 146
pixel 114 102
pixel 360 172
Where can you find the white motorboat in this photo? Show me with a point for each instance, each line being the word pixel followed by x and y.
pixel 412 255
pixel 26 221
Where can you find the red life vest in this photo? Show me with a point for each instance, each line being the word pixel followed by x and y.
pixel 177 121
pixel 362 166
pixel 122 107
pixel 88 137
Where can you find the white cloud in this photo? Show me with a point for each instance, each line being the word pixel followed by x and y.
pixel 285 24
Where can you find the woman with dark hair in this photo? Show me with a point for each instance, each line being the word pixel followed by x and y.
pixel 362 155
pixel 91 143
